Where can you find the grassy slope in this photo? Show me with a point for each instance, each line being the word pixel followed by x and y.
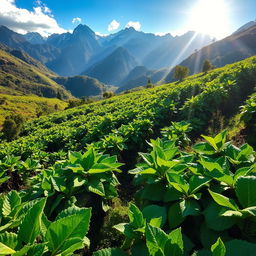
pixel 197 99
pixel 27 78
pixel 28 106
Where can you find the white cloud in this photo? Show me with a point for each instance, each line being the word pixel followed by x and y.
pixel 100 34
pixel 22 20
pixel 77 20
pixel 113 25
pixel 134 24
pixel 161 33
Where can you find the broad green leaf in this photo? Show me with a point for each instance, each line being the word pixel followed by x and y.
pixel 239 247
pixel 139 249
pixel 31 224
pixel 45 223
pixel 36 250
pixel 71 245
pixel 211 141
pixel 244 171
pixel 174 245
pixel 249 211
pixel 178 182
pixel 220 139
pixel 156 222
pixel 9 239
pixel 5 250
pixel 136 216
pixel 155 211
pixel 23 251
pixel 96 186
pixel 175 217
pixel 155 240
pixel 120 227
pixel 66 231
pixel 218 249
pixel 189 207
pixel 88 159
pixel 11 201
pixel 197 182
pixel 246 153
pixel 154 192
pixel 231 213
pixel 110 252
pixel 223 200
pixel 215 220
pixel 204 148
pixel 74 156
pixel 245 188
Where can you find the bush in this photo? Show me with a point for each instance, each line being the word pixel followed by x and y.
pixel 12 126
pixel 181 72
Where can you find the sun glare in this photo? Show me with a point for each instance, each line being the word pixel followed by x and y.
pixel 210 17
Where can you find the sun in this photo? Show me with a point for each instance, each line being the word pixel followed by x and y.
pixel 210 17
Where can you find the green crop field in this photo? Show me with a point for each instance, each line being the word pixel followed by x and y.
pixel 133 174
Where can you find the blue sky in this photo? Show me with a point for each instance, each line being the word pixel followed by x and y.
pixel 154 16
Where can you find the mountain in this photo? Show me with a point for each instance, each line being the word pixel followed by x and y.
pixel 19 76
pixel 76 50
pixel 42 52
pixel 231 49
pixel 245 27
pixel 172 52
pixel 139 76
pixel 114 68
pixel 69 54
pixel 34 38
pixel 81 86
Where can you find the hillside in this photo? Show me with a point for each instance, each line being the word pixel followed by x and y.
pixel 196 100
pixel 236 47
pixel 21 73
pixel 27 106
pixel 80 86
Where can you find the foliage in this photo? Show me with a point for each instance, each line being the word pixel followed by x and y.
pixel 35 233
pixel 207 66
pixel 180 72
pixel 12 127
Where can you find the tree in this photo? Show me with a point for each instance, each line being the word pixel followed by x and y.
pixel 181 72
pixel 12 126
pixel 207 66
pixel 107 95
pixel 149 84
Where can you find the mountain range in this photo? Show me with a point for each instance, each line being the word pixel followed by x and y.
pixel 85 63
pixel 84 52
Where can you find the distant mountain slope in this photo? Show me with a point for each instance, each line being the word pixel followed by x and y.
pixel 41 52
pixel 34 38
pixel 114 68
pixel 234 48
pixel 171 53
pixel 157 51
pixel 245 27
pixel 139 76
pixel 76 51
pixel 81 86
pixel 26 58
pixel 18 75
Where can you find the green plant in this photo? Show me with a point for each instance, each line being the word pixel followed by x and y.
pixel 25 230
